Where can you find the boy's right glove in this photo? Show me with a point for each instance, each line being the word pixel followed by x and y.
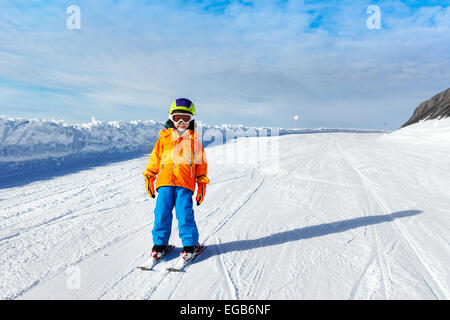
pixel 202 181
pixel 149 182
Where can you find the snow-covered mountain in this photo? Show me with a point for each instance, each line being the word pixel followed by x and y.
pixel 35 144
pixel 24 139
pixel 437 107
pixel 340 215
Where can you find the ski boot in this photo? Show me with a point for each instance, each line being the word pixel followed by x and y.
pixel 158 251
pixel 189 252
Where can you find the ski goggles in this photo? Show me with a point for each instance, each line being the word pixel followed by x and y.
pixel 181 117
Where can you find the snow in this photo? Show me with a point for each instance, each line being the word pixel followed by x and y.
pixel 29 145
pixel 425 132
pixel 329 215
pixel 26 139
pixel 23 139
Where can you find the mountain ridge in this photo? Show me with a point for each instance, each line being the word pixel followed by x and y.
pixel 437 107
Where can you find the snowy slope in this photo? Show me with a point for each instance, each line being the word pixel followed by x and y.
pixel 332 216
pixel 425 132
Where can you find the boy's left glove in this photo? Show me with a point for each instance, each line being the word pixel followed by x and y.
pixel 202 181
pixel 149 182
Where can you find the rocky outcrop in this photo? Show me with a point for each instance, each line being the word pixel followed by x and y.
pixel 435 108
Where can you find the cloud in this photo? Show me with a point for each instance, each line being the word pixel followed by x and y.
pixel 255 62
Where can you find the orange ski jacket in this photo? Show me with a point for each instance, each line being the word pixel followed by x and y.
pixel 177 160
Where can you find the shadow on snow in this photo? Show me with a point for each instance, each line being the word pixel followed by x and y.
pixel 22 173
pixel 303 233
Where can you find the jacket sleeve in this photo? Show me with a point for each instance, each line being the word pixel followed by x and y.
pixel 155 159
pixel 201 165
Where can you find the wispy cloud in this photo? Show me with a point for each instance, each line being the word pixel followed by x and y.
pixel 254 62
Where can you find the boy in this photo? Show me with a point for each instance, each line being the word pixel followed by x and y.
pixel 177 163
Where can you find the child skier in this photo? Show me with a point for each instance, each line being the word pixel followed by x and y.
pixel 177 163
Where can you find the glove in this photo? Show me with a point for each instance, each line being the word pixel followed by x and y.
pixel 202 181
pixel 150 178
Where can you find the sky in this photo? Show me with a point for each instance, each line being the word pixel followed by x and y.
pixel 256 63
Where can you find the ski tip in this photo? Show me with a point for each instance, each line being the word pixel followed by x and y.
pixel 144 268
pixel 156 261
pixel 174 270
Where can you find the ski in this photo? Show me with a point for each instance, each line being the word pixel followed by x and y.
pixel 182 263
pixel 151 262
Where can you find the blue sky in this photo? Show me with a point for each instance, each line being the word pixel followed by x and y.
pixel 257 63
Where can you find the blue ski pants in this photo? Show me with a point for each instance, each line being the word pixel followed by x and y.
pixel 181 199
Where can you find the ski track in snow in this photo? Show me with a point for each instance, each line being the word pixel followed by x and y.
pixel 437 290
pixel 379 255
pixel 345 216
